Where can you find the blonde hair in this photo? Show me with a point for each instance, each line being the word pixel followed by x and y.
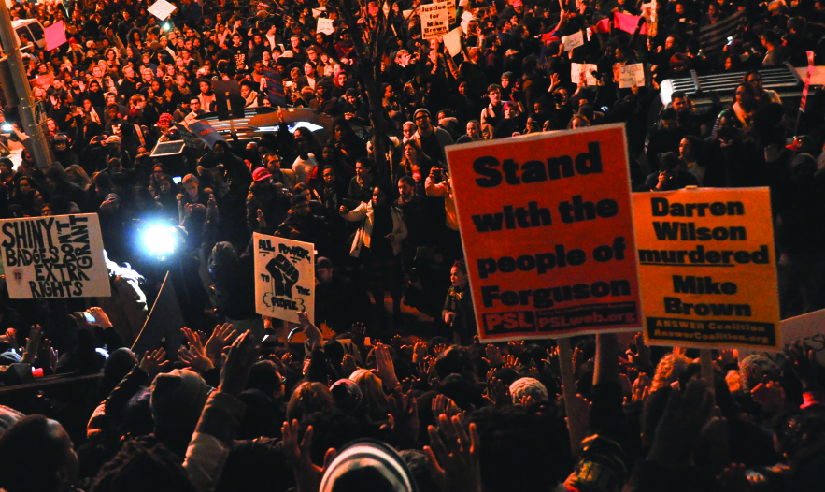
pixel 375 402
pixel 668 371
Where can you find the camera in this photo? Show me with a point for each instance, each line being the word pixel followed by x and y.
pixel 6 127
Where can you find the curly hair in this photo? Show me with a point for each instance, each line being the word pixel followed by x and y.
pixel 668 370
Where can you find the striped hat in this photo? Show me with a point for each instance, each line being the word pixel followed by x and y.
pixel 369 464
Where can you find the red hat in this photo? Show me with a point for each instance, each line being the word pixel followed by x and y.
pixel 260 174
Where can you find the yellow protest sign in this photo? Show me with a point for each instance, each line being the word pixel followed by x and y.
pixel 706 259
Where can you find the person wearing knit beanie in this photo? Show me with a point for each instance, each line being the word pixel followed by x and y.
pixel 369 465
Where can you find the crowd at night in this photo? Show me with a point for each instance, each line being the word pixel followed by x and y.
pixel 384 384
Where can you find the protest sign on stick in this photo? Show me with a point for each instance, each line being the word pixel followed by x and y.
pixel 434 20
pixel 284 277
pixel 707 262
pixel 59 256
pixel 547 228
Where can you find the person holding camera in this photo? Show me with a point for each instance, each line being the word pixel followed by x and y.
pixel 672 174
pixel 437 185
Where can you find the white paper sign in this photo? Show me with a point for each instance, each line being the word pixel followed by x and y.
pixel 59 256
pixel 326 26
pixel 808 328
pixel 434 20
pixel 452 41
pixel 577 68
pixel 317 12
pixel 162 9
pixel 572 42
pixel 451 11
pixel 284 277
pixel 631 74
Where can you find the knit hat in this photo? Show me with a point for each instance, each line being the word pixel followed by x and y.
pixel 347 394
pixel 424 111
pixel 369 463
pixel 528 387
pixel 112 139
pixel 178 398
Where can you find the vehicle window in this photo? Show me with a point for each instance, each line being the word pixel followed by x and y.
pixel 36 30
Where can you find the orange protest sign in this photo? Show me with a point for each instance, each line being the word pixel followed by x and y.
pixel 547 227
pixel 707 262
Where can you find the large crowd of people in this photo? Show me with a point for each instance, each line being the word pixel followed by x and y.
pixel 377 399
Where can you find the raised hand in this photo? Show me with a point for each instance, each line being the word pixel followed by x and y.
pixel 511 362
pixel 444 406
pixel 222 336
pixel 384 366
pixel 151 363
pixel 498 394
pixel 640 387
pixel 516 348
pixel 454 461
pixel 195 355
pixel 769 395
pixel 11 338
pixel 494 357
pixel 419 352
pixel 727 357
pixel 235 371
pixel 641 357
pixel 803 364
pixel 307 474
pixel 32 345
pixel 403 415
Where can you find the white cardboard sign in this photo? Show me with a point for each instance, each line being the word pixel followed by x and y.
pixel 326 26
pixel 161 9
pixel 631 74
pixel 58 256
pixel 573 41
pixel 434 20
pixel 284 277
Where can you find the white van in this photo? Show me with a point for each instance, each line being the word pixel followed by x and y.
pixel 33 30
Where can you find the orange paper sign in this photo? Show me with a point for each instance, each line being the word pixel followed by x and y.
pixel 547 228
